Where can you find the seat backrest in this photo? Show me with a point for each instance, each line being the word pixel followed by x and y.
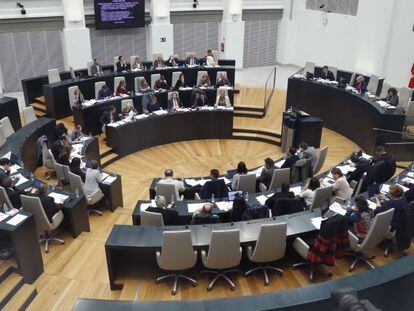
pixel 151 219
pixel 175 76
pixel 46 157
pixel 76 183
pixel 3 138
pixel 4 198
pixel 71 93
pixel 166 190
pixel 52 158
pixel 66 171
pixel 154 78
pixel 271 243
pixel 177 251
pixel 334 70
pixel 89 64
pixel 33 205
pixel 200 74
pixel 115 60
pixel 224 250
pixel 378 230
pixel 409 113
pixel 284 206
pixel 405 96
pixel 384 90
pixel 137 83
pixel 116 82
pixel 247 183
pixel 125 102
pixel 359 185
pixel 59 171
pixel 322 197
pixel 280 176
pixel 309 67
pixel 352 80
pixel 373 84
pixel 321 160
pixel 7 127
pixel 28 115
pixel 132 59
pixel 53 75
pixel 98 86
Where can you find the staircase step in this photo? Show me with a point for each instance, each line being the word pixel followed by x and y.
pixel 22 299
pixel 40 99
pixel 270 133
pixel 108 159
pixel 6 269
pixel 257 137
pixel 9 287
pixel 252 114
pixel 38 106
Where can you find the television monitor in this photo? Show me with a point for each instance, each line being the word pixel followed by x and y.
pixel 110 14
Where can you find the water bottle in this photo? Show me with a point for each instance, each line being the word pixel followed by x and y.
pixel 5 208
pixel 212 198
pixel 77 192
pixel 90 135
pixel 246 196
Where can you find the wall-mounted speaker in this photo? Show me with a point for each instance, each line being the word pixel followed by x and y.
pixel 235 7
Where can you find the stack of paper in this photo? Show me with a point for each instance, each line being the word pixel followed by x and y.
pixel 144 206
pixel 385 189
pixel 258 171
pixel 317 222
pixel 109 180
pixel 16 220
pixel 262 199
pixel 3 216
pixel 280 163
pixel 337 208
pixel 383 103
pixel 22 179
pixel 193 207
pixel 224 205
pixel 408 180
pixel 14 169
pixel 58 197
pixel 296 190
pixel 141 116
pixel 160 112
pixel 410 174
pixel 372 205
pixel 191 182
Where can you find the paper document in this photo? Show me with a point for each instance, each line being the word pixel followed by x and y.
pixel 144 206
pixel 12 212
pixel 372 205
pixel 226 180
pixel 258 171
pixel 337 208
pixel 366 156
pixel 408 180
pixel 16 219
pixel 280 163
pixel 160 112
pixel 296 190
pixel 193 207
pixel 22 179
pixel 109 180
pixel 58 197
pixel 262 199
pixel 317 221
pixel 385 189
pixel 225 205
pixel 104 175
pixel 191 182
pixel 3 216
pixel 327 182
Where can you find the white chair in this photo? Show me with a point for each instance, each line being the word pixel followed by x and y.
pixel 321 160
pixel 409 115
pixel 376 234
pixel 247 183
pixel 4 199
pixel 98 86
pixel 115 60
pixel 125 102
pixel 137 83
pixel 322 198
pixel 61 176
pixel 151 219
pixel 7 127
pixel 405 96
pixel 357 186
pixel 89 64
pixel 200 74
pixel 43 225
pixel 309 67
pixel 280 176
pixel 384 90
pixel 334 70
pixel 53 75
pixel 372 86
pixel 29 115
pixel 71 95
pixel 177 254
pixel 132 59
pixel 168 192
pixel 270 246
pixel 154 78
pixel 352 80
pixel 3 138
pixel 175 76
pixel 116 82
pixel 224 252
pixel 92 200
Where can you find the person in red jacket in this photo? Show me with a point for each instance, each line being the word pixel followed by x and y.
pixel 411 84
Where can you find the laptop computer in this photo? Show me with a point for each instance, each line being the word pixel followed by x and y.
pixel 233 194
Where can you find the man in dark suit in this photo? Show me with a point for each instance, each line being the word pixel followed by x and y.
pixel 361 166
pixel 215 186
pixel 284 193
pixel 382 168
pixel 169 216
pixel 96 68
pixel 191 60
pixel 121 65
pixel 174 102
pixel 267 174
pixel 48 203
pixel 12 192
pixel 5 168
pixel 200 99
pixel 326 74
pixel 172 61
pixel 104 92
pixel 291 159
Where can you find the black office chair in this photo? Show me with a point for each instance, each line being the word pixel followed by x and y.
pixel 284 206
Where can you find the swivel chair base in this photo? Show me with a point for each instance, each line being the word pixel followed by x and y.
pixel 265 273
pixel 219 275
pixel 176 277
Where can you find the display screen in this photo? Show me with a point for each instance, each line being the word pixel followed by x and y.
pixel 119 14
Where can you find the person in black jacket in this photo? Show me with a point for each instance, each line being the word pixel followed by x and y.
pixel 397 202
pixel 291 159
pixel 215 186
pixel 180 82
pixel 48 203
pixel 57 146
pixel 121 65
pixel 361 166
pixel 382 168
pixel 239 207
pixel 74 167
pixel 284 193
pixel 326 74
pixel 12 192
pixel 169 216
pixel 5 168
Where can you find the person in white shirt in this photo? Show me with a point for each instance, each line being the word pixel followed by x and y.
pixel 222 100
pixel 241 170
pixel 308 193
pixel 341 187
pixel 169 180
pixel 210 58
pixel 92 179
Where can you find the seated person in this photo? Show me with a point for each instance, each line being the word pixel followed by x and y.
pixel 291 158
pixel 121 65
pixel 169 180
pixel 392 97
pixel 222 81
pixel 222 100
pixel 200 100
pixel 409 194
pixel 75 168
pixel 76 133
pixel 381 168
pixel 172 61
pixel 241 170
pixel 48 203
pixel 360 218
pixel 143 86
pixel 169 215
pixel 308 192
pixel 209 58
pixel 122 88
pixel 239 208
pixel 361 166
pixel 204 81
pixel 108 116
pixel 60 129
pixel 78 100
pixel 159 62
pixel 398 202
pixel 284 193
pixel 180 82
pixel 104 92
pixel 360 84
pixel 215 186
pixel 153 105
pixel 137 64
pixel 127 110
pixel 267 174
pixel 326 74
pixel 205 216
pixel 12 192
pixel 191 60
pixel 161 83
pixel 96 68
pixel 341 187
pixel 64 155
pixel 5 169
pixel 308 152
pixel 174 102
pixel 58 145
pixel 256 211
pixel 92 178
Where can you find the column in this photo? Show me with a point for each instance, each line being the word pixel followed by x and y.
pixel 160 32
pixel 232 32
pixel 286 37
pixel 76 41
